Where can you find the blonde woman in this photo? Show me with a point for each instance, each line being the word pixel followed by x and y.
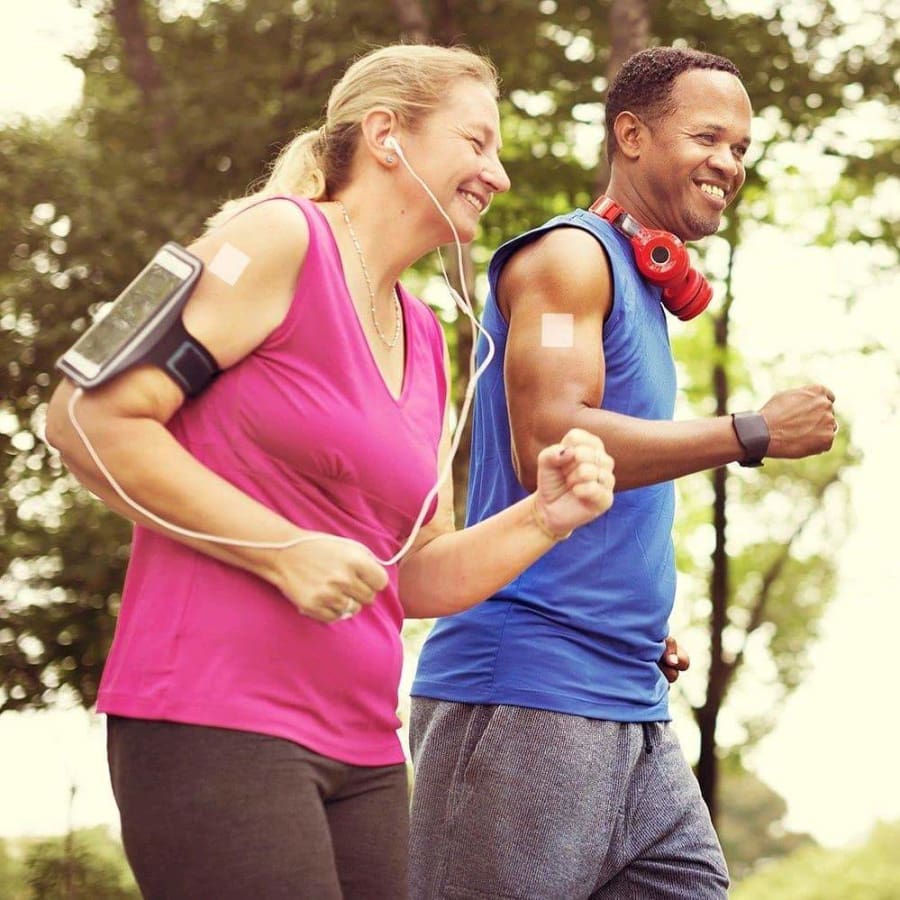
pixel 251 691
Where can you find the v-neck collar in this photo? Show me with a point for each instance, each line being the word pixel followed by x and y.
pixel 402 299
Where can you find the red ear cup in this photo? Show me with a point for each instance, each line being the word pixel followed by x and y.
pixel 662 259
pixel 660 256
pixel 689 297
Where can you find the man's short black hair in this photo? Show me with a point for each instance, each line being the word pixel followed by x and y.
pixel 644 84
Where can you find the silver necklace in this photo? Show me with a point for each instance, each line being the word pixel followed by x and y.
pixel 398 316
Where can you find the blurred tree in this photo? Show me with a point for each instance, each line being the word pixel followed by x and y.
pixel 765 599
pixel 87 864
pixel 768 595
pixel 60 559
pixel 139 161
pixel 751 826
pixel 10 874
pixel 86 201
pixel 868 872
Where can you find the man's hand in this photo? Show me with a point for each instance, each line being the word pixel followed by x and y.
pixel 674 660
pixel 801 422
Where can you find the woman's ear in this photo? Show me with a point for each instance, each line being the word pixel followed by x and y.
pixel 377 125
pixel 630 134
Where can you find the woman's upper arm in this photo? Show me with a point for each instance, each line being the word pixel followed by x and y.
pixel 230 315
pixel 245 294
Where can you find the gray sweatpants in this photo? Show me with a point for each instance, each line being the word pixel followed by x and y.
pixel 526 804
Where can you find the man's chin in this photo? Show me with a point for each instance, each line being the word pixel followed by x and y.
pixel 697 229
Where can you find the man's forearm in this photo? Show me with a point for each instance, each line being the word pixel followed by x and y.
pixel 648 451
pixel 645 451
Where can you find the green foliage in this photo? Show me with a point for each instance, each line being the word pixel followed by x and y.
pixel 11 878
pixel 85 202
pixel 791 515
pixel 88 864
pixel 869 872
pixel 750 824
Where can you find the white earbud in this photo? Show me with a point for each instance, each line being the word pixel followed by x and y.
pixel 391 143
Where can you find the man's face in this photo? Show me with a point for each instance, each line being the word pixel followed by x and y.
pixel 693 166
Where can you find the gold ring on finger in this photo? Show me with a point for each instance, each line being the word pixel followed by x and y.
pixel 348 609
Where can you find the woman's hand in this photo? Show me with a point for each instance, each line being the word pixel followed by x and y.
pixel 574 482
pixel 328 578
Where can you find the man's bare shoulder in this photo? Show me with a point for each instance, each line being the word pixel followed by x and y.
pixel 567 265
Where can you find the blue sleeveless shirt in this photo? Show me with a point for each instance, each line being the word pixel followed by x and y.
pixel 581 630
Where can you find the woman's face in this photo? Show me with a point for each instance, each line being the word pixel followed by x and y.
pixel 455 152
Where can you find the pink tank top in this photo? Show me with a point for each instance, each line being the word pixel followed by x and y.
pixel 306 425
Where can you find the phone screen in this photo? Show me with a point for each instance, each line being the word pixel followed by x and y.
pixel 152 288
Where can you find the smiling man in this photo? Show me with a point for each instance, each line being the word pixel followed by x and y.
pixel 545 765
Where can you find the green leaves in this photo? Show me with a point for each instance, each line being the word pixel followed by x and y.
pixel 867 872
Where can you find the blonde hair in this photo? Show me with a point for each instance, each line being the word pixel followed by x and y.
pixel 408 79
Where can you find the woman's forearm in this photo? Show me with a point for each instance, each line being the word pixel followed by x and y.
pixel 156 472
pixel 458 569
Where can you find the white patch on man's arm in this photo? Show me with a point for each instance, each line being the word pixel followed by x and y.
pixel 229 264
pixel 557 330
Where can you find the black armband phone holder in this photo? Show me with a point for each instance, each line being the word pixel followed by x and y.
pixel 184 358
pixel 143 325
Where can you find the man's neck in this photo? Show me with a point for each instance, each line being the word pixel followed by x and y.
pixel 628 196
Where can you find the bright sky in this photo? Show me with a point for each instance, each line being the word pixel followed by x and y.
pixel 33 36
pixel 833 755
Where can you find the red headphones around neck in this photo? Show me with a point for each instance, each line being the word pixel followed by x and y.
pixel 662 259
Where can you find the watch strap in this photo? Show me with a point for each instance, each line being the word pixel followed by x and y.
pixel 184 359
pixel 753 435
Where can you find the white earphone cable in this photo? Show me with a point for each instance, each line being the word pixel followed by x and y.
pixel 170 526
pixel 464 305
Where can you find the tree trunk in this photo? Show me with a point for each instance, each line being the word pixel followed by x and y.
pixel 412 21
pixel 629 31
pixel 719 669
pixel 446 30
pixel 416 28
pixel 708 761
pixel 140 62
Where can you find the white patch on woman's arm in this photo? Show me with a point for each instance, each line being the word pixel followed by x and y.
pixel 229 264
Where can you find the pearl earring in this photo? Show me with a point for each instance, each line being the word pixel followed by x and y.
pixel 389 159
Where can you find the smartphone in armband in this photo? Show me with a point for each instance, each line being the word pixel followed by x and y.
pixel 144 325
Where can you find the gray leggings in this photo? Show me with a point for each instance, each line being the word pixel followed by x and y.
pixel 215 813
pixel 526 804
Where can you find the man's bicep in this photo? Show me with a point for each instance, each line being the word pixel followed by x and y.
pixel 554 362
